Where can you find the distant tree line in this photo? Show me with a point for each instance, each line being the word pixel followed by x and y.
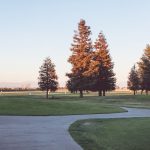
pixel 139 77
pixel 92 67
pixel 18 89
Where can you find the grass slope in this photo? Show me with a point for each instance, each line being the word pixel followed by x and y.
pixel 112 134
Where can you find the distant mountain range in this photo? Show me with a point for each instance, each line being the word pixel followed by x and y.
pixel 18 84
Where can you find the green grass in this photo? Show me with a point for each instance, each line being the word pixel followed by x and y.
pixel 138 101
pixel 60 105
pixel 112 134
pixel 21 103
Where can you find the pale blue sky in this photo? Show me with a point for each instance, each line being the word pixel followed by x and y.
pixel 31 30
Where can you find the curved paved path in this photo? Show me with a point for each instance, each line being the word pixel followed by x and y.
pixel 49 132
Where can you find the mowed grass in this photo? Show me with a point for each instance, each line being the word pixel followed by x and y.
pixel 59 105
pixel 23 103
pixel 138 101
pixel 112 134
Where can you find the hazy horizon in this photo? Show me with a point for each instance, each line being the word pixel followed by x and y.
pixel 32 30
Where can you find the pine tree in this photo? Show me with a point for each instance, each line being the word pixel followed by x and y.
pixel 47 76
pixel 144 70
pixel 71 85
pixel 133 80
pixel 80 58
pixel 101 67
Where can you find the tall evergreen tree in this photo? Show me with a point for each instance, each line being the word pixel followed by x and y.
pixel 144 70
pixel 133 80
pixel 80 58
pixel 47 76
pixel 101 67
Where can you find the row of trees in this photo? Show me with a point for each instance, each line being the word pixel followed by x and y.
pixel 92 67
pixel 139 77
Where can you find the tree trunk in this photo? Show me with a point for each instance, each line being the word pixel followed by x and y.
pixel 46 93
pixel 141 92
pixel 146 92
pixel 103 92
pixel 100 93
pixel 81 94
pixel 134 92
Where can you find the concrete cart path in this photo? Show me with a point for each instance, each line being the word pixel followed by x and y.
pixel 48 132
